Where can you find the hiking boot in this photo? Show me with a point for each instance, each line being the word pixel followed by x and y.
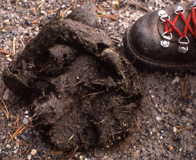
pixel 164 39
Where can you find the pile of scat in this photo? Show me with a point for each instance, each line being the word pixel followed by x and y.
pixel 82 92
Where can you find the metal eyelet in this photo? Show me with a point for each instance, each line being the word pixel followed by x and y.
pixel 183 43
pixel 163 15
pixel 165 43
pixel 167 36
pixel 178 9
pixel 192 5
pixel 161 12
pixel 183 49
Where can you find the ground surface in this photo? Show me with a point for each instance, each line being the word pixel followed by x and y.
pixel 165 122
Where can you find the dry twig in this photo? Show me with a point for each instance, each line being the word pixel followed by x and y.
pixel 18 131
pixel 99 8
pixel 73 151
pixel 6 110
pixel 3 51
pixel 95 150
pixel 181 128
pixel 5 27
pixel 14 49
pixel 63 12
pixel 53 10
pixel 90 94
pixel 185 128
pixel 113 17
pixel 22 42
pixel 29 149
pixel 42 2
pixel 138 5
pixel 16 122
pixel 183 89
pixel 16 4
pixel 48 152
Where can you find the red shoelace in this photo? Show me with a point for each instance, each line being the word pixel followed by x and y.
pixel 192 16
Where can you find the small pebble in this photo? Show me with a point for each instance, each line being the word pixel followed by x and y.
pixel 189 110
pixel 36 28
pixel 6 153
pixel 29 157
pixel 33 152
pixel 28 23
pixel 171 147
pixel 15 151
pixel 175 130
pixel 6 94
pixel 26 112
pixel 77 154
pixel 6 21
pixel 43 12
pixel 115 4
pixel 25 121
pixel 63 6
pixel 8 146
pixel 9 59
pixel 178 138
pixel 153 99
pixel 68 12
pixel 142 149
pixel 158 118
pixel 3 30
pixel 176 80
pixel 17 143
pixel 81 157
pixel 9 125
pixel 150 8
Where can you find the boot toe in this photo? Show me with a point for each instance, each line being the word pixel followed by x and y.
pixel 144 43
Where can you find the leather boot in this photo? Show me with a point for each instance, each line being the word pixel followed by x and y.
pixel 164 39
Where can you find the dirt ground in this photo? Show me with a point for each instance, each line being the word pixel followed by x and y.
pixel 164 123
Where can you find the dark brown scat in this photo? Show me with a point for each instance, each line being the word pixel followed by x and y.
pixel 86 90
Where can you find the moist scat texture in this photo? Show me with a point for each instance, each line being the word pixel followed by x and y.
pixel 82 92
pixel 89 17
